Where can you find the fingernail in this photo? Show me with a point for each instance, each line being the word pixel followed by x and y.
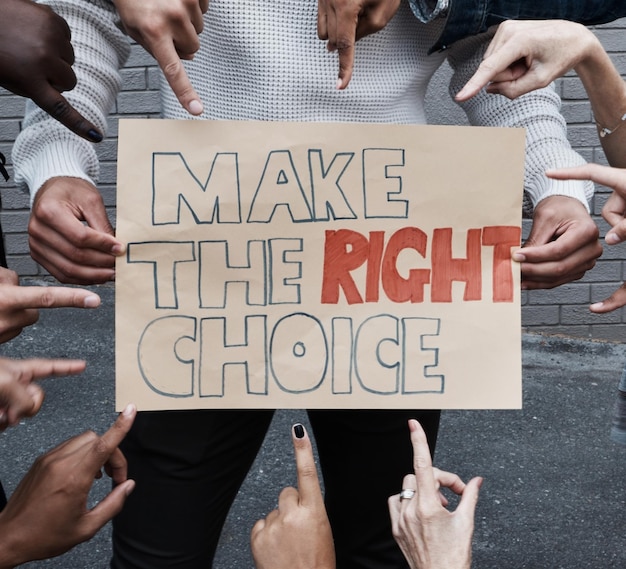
pixel 129 487
pixel 339 83
pixel 92 301
pixel 118 249
pixel 129 410
pixel 94 135
pixel 596 306
pixel 518 257
pixel 195 107
pixel 298 430
pixel 611 238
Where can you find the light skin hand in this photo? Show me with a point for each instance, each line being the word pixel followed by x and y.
pixel 528 55
pixel 430 535
pixel 36 59
pixel 343 22
pixel 51 500
pixel 70 234
pixel 297 534
pixel 563 244
pixel 19 396
pixel 19 304
pixel 168 30
pixel 614 213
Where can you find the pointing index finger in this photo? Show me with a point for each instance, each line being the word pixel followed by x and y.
pixel 487 71
pixel 57 106
pixel 611 177
pixel 422 463
pixel 347 22
pixel 174 71
pixel 108 443
pixel 308 482
pixel 25 297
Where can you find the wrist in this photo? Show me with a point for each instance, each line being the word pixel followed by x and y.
pixel 592 57
pixel 9 550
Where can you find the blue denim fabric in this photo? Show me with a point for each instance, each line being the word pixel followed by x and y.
pixel 469 17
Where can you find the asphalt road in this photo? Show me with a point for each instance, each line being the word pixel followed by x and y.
pixel 554 493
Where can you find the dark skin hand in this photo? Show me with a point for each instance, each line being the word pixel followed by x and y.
pixel 562 246
pixel 343 22
pixel 70 233
pixel 36 59
pixel 48 513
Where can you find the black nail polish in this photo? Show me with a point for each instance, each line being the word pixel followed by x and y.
pixel 94 135
pixel 298 431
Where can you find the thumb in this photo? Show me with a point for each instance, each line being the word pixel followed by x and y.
pixel 98 220
pixel 20 400
pixel 540 234
pixel 469 499
pixel 108 508
pixel 615 301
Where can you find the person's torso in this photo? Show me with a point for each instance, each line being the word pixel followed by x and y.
pixel 264 61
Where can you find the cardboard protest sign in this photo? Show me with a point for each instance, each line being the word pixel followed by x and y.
pixel 290 265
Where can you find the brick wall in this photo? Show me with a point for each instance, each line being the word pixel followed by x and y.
pixel 561 311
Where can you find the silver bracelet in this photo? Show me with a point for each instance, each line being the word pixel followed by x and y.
pixel 604 131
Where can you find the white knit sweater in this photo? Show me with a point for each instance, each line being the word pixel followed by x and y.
pixel 262 60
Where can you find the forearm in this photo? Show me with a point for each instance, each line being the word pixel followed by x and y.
pixel 607 94
pixel 537 112
pixel 45 149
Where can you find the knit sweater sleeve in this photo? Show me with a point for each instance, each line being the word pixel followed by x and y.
pixel 45 148
pixel 538 112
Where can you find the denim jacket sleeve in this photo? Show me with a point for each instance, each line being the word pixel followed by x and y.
pixel 468 17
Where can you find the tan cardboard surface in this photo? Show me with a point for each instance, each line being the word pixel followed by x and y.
pixel 291 265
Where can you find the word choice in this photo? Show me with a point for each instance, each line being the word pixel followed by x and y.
pixel 383 354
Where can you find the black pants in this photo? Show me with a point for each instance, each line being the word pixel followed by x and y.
pixel 189 465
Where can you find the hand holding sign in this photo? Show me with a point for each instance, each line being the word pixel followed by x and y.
pixel 562 245
pixel 70 233
pixel 36 59
pixel 169 32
